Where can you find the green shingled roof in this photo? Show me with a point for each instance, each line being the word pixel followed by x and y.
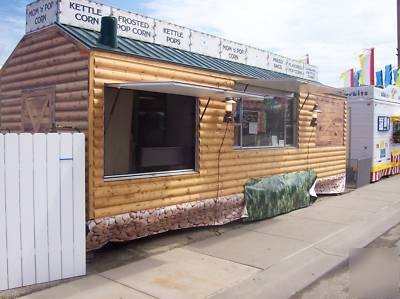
pixel 157 52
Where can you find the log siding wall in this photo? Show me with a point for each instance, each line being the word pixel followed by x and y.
pixel 235 166
pixel 50 58
pixel 47 58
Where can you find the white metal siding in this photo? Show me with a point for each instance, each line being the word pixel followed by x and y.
pixel 42 208
pixel 361 129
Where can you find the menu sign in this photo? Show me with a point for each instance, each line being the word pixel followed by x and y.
pixel 233 51
pixel 83 13
pixel 171 35
pixel 40 14
pixel 295 68
pixel 134 26
pixel 310 72
pixel 277 63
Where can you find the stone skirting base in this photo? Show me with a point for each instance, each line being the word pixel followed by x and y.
pixel 140 224
pixel 331 185
pixel 215 211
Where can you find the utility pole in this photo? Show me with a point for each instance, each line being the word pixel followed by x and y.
pixel 398 33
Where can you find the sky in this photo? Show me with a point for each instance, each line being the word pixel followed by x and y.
pixel 333 33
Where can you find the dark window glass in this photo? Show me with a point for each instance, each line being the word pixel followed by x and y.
pixel 396 132
pixel 290 135
pixel 148 132
pixel 290 123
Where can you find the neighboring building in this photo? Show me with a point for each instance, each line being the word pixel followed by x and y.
pixel 374 143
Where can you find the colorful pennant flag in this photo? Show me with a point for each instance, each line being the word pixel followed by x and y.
pixel 367 74
pixel 357 78
pixel 379 78
pixel 348 78
pixel 388 75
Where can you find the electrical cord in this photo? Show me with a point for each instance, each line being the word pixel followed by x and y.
pixel 305 100
pixel 314 128
pixel 205 109
pixel 219 155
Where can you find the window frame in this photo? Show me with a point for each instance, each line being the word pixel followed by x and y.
pixel 134 176
pixel 294 123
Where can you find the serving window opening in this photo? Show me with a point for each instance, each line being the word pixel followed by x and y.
pixel 148 133
pixel 268 123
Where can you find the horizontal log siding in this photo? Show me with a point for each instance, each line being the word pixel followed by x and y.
pixel 46 59
pixel 235 167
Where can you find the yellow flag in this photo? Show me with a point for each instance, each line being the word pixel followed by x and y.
pixel 398 78
pixel 362 72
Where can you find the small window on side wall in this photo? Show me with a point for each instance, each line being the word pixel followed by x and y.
pixel 268 123
pixel 330 128
pixel 38 110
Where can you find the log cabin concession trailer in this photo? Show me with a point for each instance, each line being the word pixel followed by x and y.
pixel 164 150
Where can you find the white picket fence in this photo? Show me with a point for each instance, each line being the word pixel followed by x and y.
pixel 42 208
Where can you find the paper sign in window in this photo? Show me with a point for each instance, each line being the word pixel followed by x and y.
pixel 253 127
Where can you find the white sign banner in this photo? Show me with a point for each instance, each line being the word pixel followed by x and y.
pixel 87 14
pixel 40 14
pixel 134 26
pixel 310 72
pixel 295 68
pixel 171 35
pixel 83 13
pixel 257 57
pixel 277 63
pixel 205 44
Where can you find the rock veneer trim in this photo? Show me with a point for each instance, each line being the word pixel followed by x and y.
pixel 331 185
pixel 135 225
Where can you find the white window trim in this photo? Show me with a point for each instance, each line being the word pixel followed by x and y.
pixel 122 177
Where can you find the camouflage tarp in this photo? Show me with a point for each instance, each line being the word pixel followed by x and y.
pixel 278 194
